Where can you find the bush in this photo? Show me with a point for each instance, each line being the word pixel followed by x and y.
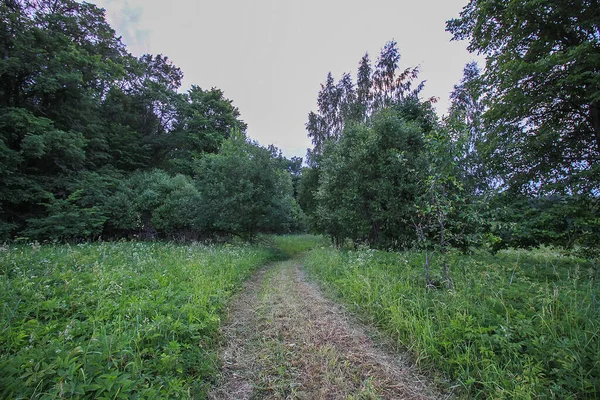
pixel 67 220
pixel 244 190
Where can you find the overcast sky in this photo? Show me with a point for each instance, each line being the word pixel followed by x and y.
pixel 270 56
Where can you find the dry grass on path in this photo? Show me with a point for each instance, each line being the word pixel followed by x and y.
pixel 285 340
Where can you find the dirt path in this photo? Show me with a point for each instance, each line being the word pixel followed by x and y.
pixel 285 340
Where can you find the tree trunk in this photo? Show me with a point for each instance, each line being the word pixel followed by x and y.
pixel 147 231
pixel 595 117
pixel 421 235
pixel 444 250
pixel 428 282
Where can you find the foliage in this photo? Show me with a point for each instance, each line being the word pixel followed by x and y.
pixel 115 320
pixel 570 222
pixel 78 211
pixel 369 179
pixel 67 220
pixel 437 202
pixel 32 154
pixel 519 324
pixel 464 124
pixel 96 142
pixel 155 203
pixel 449 209
pixel 543 90
pixel 243 190
pixel 376 89
pixel 368 163
pixel 307 191
pixel 205 119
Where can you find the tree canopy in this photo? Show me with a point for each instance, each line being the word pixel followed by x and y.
pixel 513 163
pixel 542 81
pixel 96 142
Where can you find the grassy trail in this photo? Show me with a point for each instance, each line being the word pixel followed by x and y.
pixel 286 340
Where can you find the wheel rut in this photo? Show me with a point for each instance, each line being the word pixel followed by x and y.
pixel 286 340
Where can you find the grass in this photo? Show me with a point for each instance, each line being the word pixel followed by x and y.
pixel 115 320
pixel 518 325
pixel 286 341
pixel 290 245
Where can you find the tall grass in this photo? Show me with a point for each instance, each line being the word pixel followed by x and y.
pixel 291 245
pixel 518 325
pixel 115 320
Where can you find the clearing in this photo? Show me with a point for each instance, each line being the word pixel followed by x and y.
pixel 286 340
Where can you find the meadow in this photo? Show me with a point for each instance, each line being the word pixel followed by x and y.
pixel 517 325
pixel 116 320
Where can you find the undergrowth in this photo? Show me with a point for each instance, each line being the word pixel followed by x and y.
pixel 115 320
pixel 517 325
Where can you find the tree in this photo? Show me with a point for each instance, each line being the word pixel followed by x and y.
pixel 543 80
pixel 205 119
pixel 464 124
pixel 360 133
pixel 328 122
pixel 369 180
pixel 152 82
pixel 58 60
pixel 243 189
pixel 95 141
pixel 341 103
pixel 440 209
pixel 364 85
pixel 307 192
pixel 67 220
pixel 35 157
pixel 154 204
pixel 566 221
pixel 389 87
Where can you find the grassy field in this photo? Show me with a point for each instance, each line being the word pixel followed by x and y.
pixel 518 325
pixel 290 245
pixel 115 320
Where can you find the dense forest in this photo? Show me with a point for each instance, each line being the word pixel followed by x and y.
pixel 514 163
pixel 96 143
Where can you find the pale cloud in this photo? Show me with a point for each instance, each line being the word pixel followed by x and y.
pixel 125 17
pixel 270 56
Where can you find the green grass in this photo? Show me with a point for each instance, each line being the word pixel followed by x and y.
pixel 115 320
pixel 290 245
pixel 518 325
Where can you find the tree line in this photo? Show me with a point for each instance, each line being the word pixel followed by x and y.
pixel 514 162
pixel 95 142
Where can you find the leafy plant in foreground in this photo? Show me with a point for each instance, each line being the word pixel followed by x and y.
pixel 115 320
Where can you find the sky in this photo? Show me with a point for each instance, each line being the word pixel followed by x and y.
pixel 270 56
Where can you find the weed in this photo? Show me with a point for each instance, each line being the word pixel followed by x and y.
pixel 115 320
pixel 519 324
